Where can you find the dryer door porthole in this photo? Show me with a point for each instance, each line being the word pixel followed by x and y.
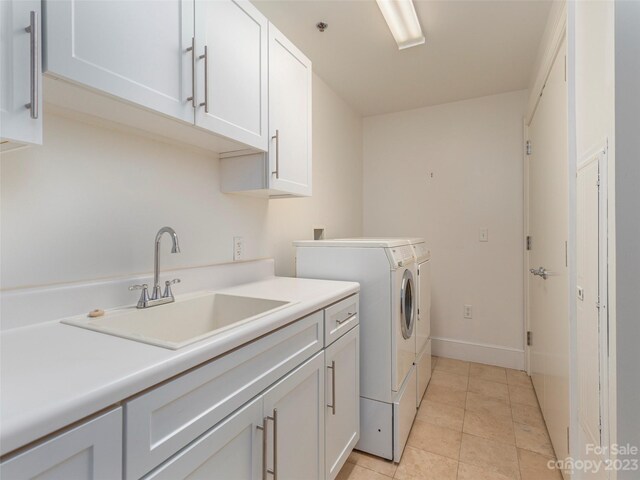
pixel 406 304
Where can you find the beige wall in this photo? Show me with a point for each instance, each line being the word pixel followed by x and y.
pixel 443 173
pixel 88 203
pixel 336 203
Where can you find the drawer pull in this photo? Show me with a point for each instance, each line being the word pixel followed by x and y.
pixel 349 315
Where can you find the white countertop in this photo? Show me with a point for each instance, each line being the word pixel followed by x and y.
pixel 54 374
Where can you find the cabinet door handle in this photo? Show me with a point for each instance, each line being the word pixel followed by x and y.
pixel 205 104
pixel 265 470
pixel 263 427
pixel 33 71
pixel 192 49
pixel 277 139
pixel 332 406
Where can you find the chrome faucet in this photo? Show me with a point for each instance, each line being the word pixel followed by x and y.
pixel 158 297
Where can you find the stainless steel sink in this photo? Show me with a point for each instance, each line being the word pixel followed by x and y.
pixel 189 319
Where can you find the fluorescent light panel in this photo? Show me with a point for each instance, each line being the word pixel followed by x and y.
pixel 403 22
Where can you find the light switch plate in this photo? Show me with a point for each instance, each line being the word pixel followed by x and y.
pixel 483 235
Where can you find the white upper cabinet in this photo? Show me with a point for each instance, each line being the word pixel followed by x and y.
pixel 232 46
pixel 285 171
pixel 20 72
pixel 138 51
pixel 289 116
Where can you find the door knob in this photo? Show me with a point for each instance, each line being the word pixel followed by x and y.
pixel 540 272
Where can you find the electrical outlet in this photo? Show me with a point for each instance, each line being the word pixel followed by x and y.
pixel 238 248
pixel 468 311
pixel 483 235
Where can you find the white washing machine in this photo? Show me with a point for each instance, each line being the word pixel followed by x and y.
pixel 386 271
pixel 423 321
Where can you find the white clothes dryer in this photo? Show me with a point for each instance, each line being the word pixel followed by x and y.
pixel 386 271
pixel 423 322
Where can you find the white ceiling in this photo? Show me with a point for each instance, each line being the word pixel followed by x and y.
pixel 474 48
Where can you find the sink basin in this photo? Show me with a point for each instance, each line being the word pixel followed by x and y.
pixel 187 320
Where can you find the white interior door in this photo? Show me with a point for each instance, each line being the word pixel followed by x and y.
pixel 548 227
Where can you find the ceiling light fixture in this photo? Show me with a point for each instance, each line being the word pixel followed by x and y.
pixel 403 22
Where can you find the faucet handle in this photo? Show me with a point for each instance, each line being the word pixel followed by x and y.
pixel 144 296
pixel 167 288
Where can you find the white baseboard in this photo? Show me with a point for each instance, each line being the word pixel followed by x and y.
pixel 478 352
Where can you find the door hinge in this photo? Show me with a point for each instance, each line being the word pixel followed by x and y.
pixel 529 335
pixel 568 448
pixel 598 181
pixel 528 242
pixel 528 147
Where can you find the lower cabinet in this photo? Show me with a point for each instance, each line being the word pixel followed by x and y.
pixel 232 450
pixel 342 424
pixel 91 451
pixel 279 433
pixel 280 407
pixel 294 423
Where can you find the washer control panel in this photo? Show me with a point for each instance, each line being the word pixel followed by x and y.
pixel 400 256
pixel 422 253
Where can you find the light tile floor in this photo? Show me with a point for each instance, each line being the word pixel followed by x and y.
pixel 476 422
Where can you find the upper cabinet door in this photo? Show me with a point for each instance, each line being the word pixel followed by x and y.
pixel 20 73
pixel 289 116
pixel 232 47
pixel 138 50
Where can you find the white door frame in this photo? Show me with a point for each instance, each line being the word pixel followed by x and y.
pixel 525 257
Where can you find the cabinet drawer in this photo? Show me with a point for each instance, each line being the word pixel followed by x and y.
pixel 166 419
pixel 91 451
pixel 340 318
